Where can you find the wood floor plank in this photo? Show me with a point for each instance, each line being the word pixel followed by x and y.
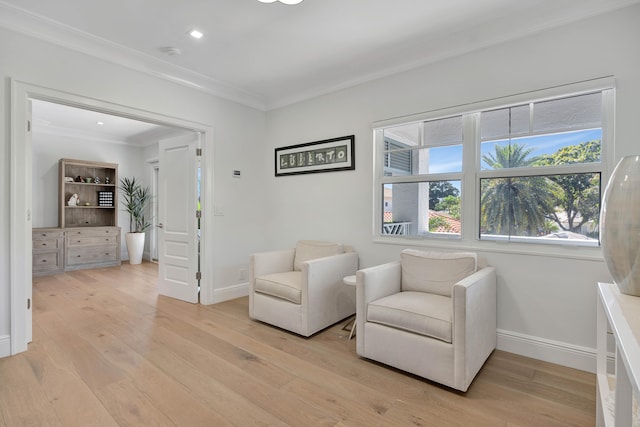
pixel 108 350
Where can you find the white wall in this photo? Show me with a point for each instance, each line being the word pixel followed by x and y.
pixel 237 132
pixel 546 303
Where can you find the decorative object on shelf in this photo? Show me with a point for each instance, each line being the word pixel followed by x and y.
pixel 74 200
pixel 88 180
pixel 620 225
pixel 96 180
pixel 105 198
pixel 336 154
pixel 78 178
pixel 136 199
pixel 68 179
pixel 106 180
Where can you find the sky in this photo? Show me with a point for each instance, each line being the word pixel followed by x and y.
pixel 449 158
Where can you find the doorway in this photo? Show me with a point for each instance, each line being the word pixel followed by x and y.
pixel 21 190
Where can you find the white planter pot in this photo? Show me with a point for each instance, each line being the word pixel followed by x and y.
pixel 135 247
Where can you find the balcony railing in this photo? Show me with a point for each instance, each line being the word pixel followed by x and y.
pixel 396 228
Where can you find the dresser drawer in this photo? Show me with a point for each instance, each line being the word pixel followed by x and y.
pixel 46 244
pixel 47 262
pixel 93 231
pixel 87 240
pixel 92 254
pixel 46 234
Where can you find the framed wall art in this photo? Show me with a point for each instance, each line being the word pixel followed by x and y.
pixel 329 155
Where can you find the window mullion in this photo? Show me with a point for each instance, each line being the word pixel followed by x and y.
pixel 470 167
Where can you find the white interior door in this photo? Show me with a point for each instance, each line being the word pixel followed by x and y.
pixel 177 224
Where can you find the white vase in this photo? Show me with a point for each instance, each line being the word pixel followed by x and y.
pixel 620 225
pixel 135 247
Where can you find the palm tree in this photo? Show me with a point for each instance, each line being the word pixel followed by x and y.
pixel 513 205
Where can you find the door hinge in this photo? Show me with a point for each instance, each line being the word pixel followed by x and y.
pixel 198 214
pixel 28 303
pixel 198 152
pixel 198 275
pixel 28 125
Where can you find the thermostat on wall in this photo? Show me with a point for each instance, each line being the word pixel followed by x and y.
pixel 236 173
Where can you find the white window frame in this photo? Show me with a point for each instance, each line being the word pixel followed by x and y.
pixel 470 185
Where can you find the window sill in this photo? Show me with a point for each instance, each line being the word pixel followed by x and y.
pixel 550 250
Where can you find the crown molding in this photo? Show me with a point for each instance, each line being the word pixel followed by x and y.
pixel 21 21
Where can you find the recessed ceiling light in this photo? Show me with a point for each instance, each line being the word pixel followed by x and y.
pixel 100 123
pixel 281 1
pixel 170 50
pixel 196 34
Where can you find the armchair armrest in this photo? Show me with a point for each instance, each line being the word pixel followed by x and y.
pixel 371 284
pixel 322 272
pixel 270 262
pixel 322 281
pixel 474 323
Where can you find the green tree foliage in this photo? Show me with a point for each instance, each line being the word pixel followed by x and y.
pixel 513 205
pixel 450 204
pixel 577 195
pixel 438 190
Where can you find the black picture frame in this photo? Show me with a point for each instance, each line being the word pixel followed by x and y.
pixel 328 155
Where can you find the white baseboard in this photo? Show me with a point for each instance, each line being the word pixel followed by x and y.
pixel 5 345
pixel 561 353
pixel 230 292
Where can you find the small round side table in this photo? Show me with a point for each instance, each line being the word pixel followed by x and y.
pixel 351 281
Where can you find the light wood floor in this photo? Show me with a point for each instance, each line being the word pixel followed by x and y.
pixel 108 351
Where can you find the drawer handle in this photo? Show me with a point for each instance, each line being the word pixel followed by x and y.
pixel 44 234
pixel 44 260
pixel 79 241
pixel 77 256
pixel 44 244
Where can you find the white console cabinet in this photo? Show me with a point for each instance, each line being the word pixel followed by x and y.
pixel 619 315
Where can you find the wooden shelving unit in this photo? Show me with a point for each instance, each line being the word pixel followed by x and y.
pixel 88 213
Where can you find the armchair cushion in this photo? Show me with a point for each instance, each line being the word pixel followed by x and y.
pixel 435 272
pixel 307 250
pixel 417 312
pixel 287 286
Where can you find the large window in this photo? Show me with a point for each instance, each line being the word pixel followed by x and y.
pixel 529 171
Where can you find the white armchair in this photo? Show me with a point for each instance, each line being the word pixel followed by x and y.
pixel 432 314
pixel 301 290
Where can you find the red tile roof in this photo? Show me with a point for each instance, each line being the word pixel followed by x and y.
pixel 453 225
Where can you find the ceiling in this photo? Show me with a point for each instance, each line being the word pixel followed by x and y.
pixel 95 126
pixel 272 55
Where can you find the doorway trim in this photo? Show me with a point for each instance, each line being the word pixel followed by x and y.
pixel 20 189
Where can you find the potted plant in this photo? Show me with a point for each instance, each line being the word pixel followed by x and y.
pixel 136 200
